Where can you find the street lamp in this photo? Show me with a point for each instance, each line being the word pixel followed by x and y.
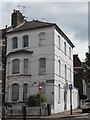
pixel 40 88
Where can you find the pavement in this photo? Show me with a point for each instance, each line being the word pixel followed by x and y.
pixel 66 114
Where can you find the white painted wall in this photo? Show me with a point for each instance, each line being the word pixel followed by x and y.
pixel 52 54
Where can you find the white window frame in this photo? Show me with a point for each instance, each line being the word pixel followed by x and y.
pixel 59 67
pixel 15 69
pixel 59 41
pixel 65 48
pixel 42 39
pixel 70 52
pixel 59 93
pixel 15 43
pixel 25 42
pixel 65 72
pixel 25 91
pixel 26 63
pixel 42 65
pixel 15 92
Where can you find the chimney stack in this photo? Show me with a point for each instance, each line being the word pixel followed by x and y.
pixel 16 18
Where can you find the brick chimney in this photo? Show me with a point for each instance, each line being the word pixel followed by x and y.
pixel 16 18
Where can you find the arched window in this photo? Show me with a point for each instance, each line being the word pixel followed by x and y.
pixel 25 90
pixel 25 41
pixel 16 66
pixel 65 47
pixel 58 92
pixel 59 41
pixel 69 52
pixel 15 92
pixel 42 38
pixel 42 65
pixel 59 67
pixel 15 42
pixel 65 71
pixel 70 75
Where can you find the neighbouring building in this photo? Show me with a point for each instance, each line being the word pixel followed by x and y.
pixel 78 78
pixel 39 52
pixel 0 68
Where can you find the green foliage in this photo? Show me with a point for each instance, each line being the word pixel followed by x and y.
pixel 87 68
pixel 34 100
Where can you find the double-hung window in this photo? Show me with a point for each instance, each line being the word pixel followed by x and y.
pixel 25 66
pixel 25 41
pixel 65 72
pixel 65 47
pixel 69 52
pixel 42 39
pixel 16 66
pixel 15 42
pixel 59 93
pixel 59 41
pixel 42 65
pixel 15 92
pixel 59 66
pixel 25 89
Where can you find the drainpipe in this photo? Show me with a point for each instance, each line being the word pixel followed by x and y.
pixel 4 76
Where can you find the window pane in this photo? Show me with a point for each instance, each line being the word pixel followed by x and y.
pixel 16 66
pixel 25 89
pixel 15 92
pixel 59 67
pixel 70 75
pixel 42 63
pixel 69 52
pixel 25 41
pixel 43 89
pixel 59 40
pixel 65 47
pixel 59 93
pixel 15 43
pixel 42 39
pixel 25 65
pixel 65 71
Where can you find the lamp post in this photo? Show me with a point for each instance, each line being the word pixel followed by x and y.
pixel 40 88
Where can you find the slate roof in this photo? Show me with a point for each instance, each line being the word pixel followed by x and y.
pixel 35 24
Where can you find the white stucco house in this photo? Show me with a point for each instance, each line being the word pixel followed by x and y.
pixel 40 52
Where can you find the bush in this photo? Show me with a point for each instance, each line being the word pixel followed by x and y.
pixel 34 100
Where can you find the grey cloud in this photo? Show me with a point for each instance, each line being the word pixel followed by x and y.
pixel 71 17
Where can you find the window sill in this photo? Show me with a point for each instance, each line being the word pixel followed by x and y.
pixel 42 73
pixel 18 75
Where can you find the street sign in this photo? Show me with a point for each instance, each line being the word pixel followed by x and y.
pixel 70 86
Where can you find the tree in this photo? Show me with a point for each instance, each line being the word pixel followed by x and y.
pixel 86 71
pixel 34 100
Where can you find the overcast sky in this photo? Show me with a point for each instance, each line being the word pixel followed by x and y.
pixel 70 16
